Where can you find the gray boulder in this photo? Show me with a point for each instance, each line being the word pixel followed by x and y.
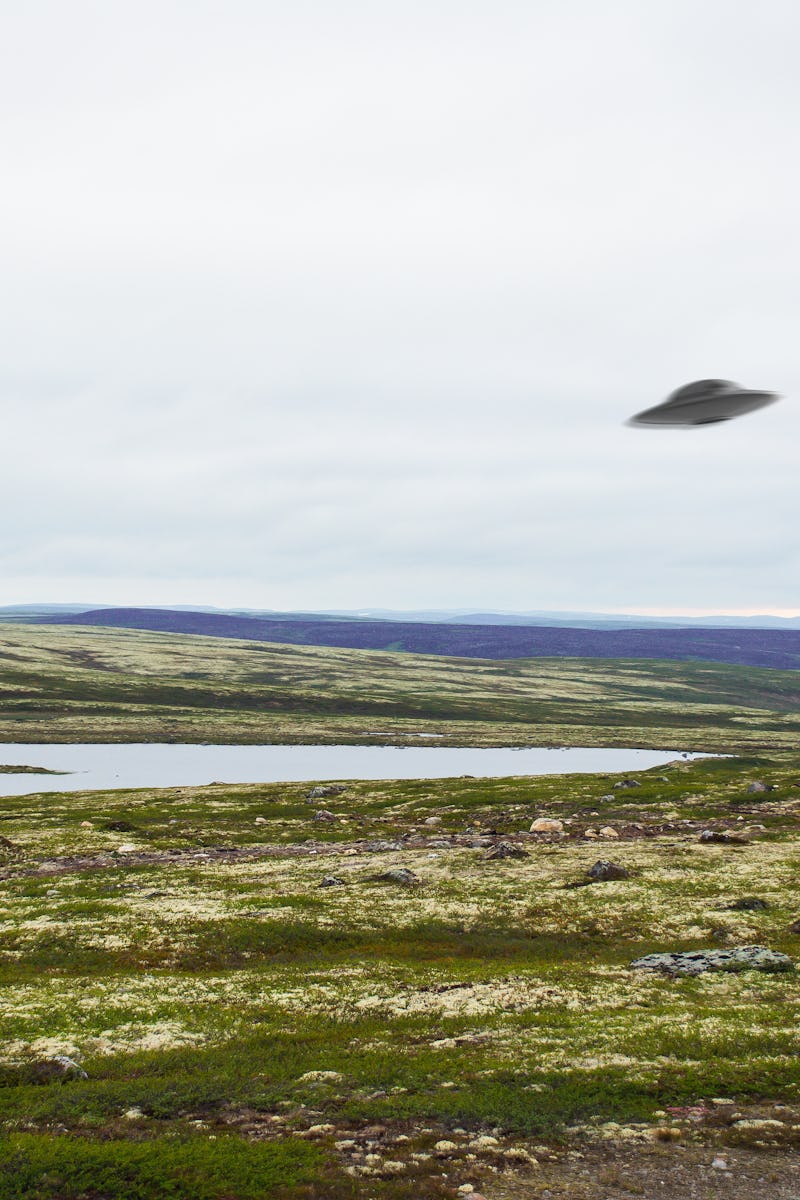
pixel 696 962
pixel 323 790
pixel 604 871
pixel 505 850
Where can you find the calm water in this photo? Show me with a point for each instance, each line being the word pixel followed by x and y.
pixel 131 766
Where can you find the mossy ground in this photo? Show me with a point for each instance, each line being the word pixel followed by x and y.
pixel 178 944
pixel 76 684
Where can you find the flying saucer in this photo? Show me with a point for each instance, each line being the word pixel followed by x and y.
pixel 704 402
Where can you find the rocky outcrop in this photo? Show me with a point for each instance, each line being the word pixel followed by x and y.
pixel 696 962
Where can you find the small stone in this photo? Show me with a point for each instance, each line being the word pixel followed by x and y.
pixel 757 786
pixel 332 881
pixel 261 821
pixel 547 825
pixel 322 814
pixel 466 1189
pixel 719 1164
pixel 133 1114
pixel 604 871
pixel 320 792
pixel 608 831
pixel 432 821
pixel 87 825
pixel 126 848
pixel 505 850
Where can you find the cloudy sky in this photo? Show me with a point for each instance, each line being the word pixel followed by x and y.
pixel 313 304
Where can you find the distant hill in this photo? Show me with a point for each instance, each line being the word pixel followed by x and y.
pixel 779 648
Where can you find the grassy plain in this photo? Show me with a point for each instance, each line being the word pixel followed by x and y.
pixel 248 1034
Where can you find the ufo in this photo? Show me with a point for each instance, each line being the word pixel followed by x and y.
pixel 704 402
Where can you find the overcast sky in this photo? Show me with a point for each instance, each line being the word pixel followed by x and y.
pixel 313 304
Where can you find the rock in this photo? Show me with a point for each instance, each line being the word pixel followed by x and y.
pixel 608 831
pixel 320 792
pixel 547 825
pixel 604 871
pixel 627 783
pixel 261 821
pixel 505 850
pixel 439 844
pixel 432 821
pixel 610 796
pixel 719 1164
pixel 60 1066
pixel 720 837
pixel 696 962
pixel 400 875
pixel 794 927
pixel 332 881
pixel 381 847
pixel 322 814
pixel 748 904
pixel 757 786
pixel 87 825
pixel 126 848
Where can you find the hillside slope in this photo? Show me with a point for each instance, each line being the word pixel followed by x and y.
pixel 777 648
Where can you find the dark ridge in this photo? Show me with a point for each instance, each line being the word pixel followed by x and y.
pixel 777 648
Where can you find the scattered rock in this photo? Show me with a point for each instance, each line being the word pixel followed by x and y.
pixel 720 837
pixel 126 848
pixel 321 791
pixel 627 783
pixel 758 786
pixel 719 1164
pixel 432 821
pixel 322 814
pixel 381 847
pixel 696 962
pixel 87 825
pixel 261 821
pixel 547 825
pixel 604 871
pixel 748 904
pixel 505 850
pixel 332 881
pixel 400 875
pixel 608 831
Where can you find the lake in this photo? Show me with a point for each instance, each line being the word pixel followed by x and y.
pixel 98 767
